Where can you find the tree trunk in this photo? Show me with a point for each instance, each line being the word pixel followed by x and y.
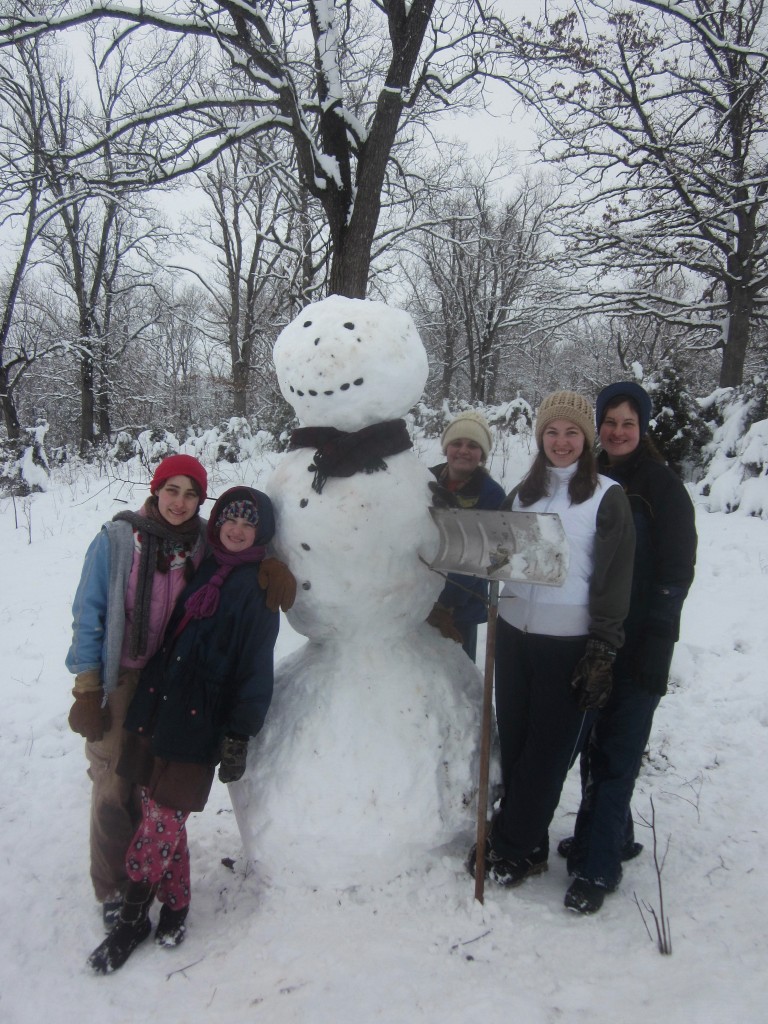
pixel 240 388
pixel 10 415
pixel 736 342
pixel 87 403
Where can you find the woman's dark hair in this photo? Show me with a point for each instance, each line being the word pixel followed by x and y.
pixel 582 484
pixel 618 400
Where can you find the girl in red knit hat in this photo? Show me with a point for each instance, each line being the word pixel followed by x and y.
pixel 134 570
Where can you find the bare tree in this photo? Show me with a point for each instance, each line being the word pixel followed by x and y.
pixel 481 283
pixel 101 238
pixel 343 80
pixel 261 244
pixel 23 216
pixel 658 113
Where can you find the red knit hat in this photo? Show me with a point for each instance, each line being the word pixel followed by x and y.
pixel 181 465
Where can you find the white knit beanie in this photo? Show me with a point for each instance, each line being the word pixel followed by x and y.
pixel 471 425
pixel 566 405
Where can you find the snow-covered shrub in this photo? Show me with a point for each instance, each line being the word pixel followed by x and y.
pixel 124 448
pixel 515 417
pixel 234 439
pixel 736 459
pixel 24 464
pixel 677 426
pixel 156 444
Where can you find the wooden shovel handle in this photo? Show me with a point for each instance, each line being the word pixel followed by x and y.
pixel 485 739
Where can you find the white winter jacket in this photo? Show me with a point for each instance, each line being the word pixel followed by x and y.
pixel 594 599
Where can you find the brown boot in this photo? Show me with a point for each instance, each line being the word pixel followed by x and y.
pixel 131 930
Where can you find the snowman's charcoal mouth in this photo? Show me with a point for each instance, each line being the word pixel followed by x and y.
pixel 314 394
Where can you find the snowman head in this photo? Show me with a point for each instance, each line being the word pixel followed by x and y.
pixel 349 363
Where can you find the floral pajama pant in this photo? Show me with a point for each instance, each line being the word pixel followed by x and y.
pixel 159 854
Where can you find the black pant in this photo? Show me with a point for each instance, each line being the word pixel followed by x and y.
pixel 540 731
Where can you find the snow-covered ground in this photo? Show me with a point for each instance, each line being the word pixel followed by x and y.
pixel 417 948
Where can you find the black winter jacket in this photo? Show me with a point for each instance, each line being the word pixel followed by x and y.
pixel 665 552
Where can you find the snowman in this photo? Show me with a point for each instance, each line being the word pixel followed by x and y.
pixel 368 759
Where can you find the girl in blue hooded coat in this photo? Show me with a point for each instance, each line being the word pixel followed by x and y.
pixel 198 701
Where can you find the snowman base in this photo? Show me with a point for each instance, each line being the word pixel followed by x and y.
pixel 368 761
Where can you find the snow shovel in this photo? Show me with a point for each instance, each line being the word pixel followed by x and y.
pixel 528 547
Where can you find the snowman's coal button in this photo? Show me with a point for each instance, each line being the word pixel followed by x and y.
pixel 304 502
pixel 305 546
pixel 306 585
pixel 358 382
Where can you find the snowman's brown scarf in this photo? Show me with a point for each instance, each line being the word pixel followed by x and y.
pixel 342 453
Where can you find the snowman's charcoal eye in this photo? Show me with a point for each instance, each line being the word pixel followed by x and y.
pixel 344 387
pixel 307 323
pixel 304 502
pixel 349 326
pixel 305 546
pixel 300 394
pixel 306 585
pixel 292 389
pixel 358 382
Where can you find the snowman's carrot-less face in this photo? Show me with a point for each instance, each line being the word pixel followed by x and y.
pixel 349 363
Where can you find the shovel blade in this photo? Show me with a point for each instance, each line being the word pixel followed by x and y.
pixel 527 547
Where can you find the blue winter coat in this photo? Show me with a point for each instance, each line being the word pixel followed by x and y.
pixel 214 678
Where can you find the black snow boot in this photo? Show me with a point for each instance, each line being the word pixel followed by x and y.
pixel 131 930
pixel 629 851
pixel 509 873
pixel 171 928
pixel 584 897
pixel 110 910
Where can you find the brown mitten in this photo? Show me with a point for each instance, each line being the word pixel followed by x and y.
pixel 279 582
pixel 442 619
pixel 87 717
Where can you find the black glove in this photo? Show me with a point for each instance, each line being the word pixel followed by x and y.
pixel 89 716
pixel 234 752
pixel 653 662
pixel 593 679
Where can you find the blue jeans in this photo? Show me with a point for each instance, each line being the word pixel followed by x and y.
pixel 610 765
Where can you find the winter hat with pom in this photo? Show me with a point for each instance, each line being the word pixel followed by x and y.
pixel 181 465
pixel 247 510
pixel 566 405
pixel 625 389
pixel 471 425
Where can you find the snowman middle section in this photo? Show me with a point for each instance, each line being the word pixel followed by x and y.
pixel 369 756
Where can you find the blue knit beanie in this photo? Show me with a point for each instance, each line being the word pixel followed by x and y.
pixel 625 389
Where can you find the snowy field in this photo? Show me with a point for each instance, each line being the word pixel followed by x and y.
pixel 418 948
